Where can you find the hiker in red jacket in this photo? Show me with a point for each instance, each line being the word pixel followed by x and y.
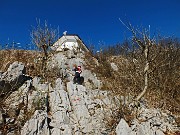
pixel 78 71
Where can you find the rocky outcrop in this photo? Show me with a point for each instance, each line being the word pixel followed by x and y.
pixel 60 108
pixel 22 102
pixel 156 120
pixel 65 108
pixel 148 122
pixel 13 78
pixel 137 129
pixel 65 66
pixel 37 125
pixel 76 110
pixel 71 110
pixel 123 128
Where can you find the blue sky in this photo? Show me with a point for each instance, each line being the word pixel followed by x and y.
pixel 95 21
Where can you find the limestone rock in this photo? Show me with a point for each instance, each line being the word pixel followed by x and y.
pixel 123 128
pixel 36 81
pixel 143 128
pixel 24 100
pixel 65 108
pixel 60 106
pixel 13 78
pixel 37 125
pixel 157 118
pixel 65 66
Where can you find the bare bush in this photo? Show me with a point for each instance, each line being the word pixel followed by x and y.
pixel 44 36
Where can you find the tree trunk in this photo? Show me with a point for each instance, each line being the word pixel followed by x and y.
pixel 146 68
pixel 45 51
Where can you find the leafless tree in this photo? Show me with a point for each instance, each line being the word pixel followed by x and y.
pixel 43 35
pixel 143 40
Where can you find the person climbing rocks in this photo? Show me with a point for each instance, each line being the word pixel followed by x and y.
pixel 78 71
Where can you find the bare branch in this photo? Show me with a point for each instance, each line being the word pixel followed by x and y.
pixel 43 36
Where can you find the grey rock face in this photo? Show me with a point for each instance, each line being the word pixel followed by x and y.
pixel 76 110
pixel 67 116
pixel 137 129
pixel 37 125
pixel 148 122
pixel 72 109
pixel 65 66
pixel 123 128
pixel 60 108
pixel 29 97
pixel 157 120
pixel 145 128
pixel 91 81
pixel 82 109
pixel 13 78
pixel 14 70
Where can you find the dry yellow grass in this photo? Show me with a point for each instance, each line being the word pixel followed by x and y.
pixel 29 58
pixel 164 76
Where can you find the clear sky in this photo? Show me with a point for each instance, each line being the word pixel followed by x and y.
pixel 95 21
